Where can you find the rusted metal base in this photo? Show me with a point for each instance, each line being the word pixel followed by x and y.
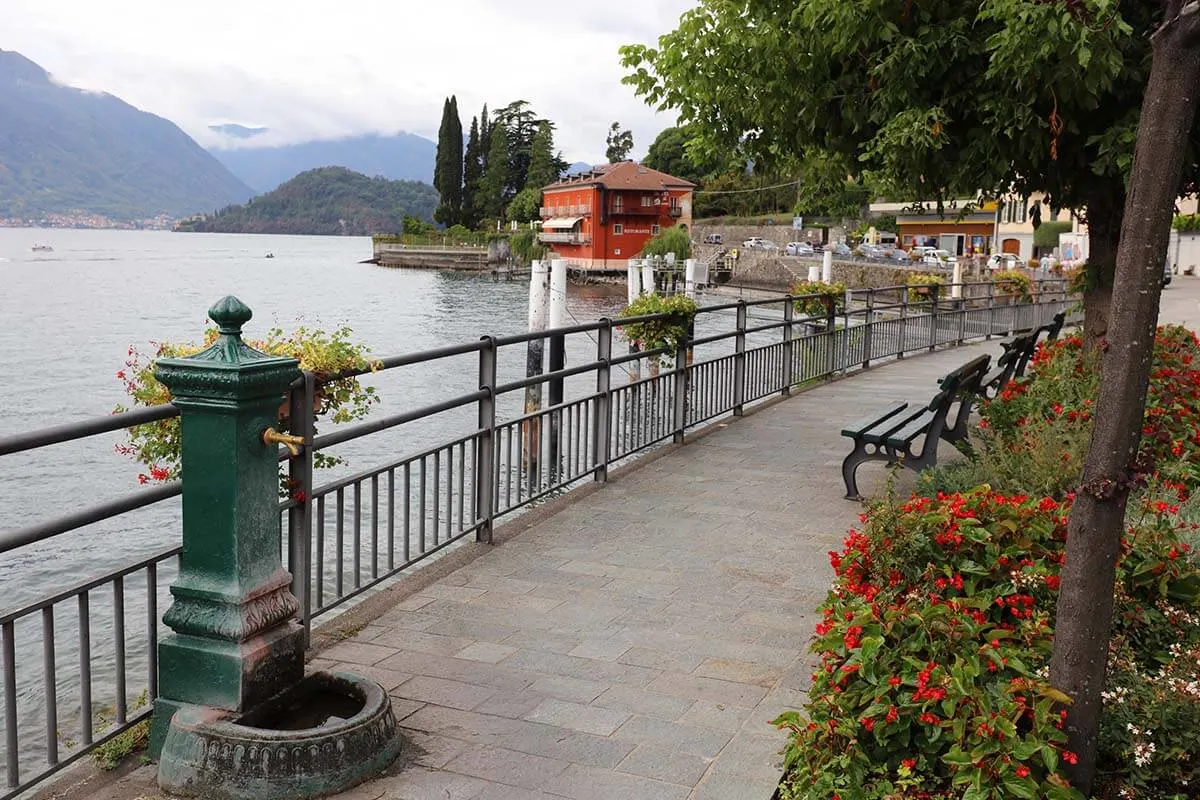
pixel 327 733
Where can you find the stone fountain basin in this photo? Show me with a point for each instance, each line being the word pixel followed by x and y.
pixel 327 733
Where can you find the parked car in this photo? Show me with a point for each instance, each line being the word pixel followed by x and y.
pixel 753 243
pixel 871 251
pixel 899 255
pixel 798 249
pixel 1167 273
pixel 939 258
pixel 767 244
pixel 714 238
pixel 999 261
pixel 841 249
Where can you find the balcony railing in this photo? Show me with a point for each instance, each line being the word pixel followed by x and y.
pixel 564 237
pixel 565 211
pixel 675 211
pixel 655 210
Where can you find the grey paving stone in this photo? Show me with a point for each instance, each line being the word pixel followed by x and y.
pixel 459 669
pixel 706 714
pixel 488 652
pixel 603 650
pixel 657 659
pixel 665 765
pixel 355 652
pixel 507 766
pixel 674 736
pixel 387 678
pixel 639 701
pixel 584 783
pixel 577 716
pixel 701 688
pixel 739 672
pixel 573 689
pixel 423 642
pixel 452 694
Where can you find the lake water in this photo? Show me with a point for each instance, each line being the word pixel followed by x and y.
pixel 67 318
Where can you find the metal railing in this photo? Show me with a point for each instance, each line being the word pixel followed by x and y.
pixel 565 237
pixel 347 536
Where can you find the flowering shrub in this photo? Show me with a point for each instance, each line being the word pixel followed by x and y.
pixel 819 299
pixel 660 333
pixel 1013 282
pixel 935 643
pixel 1052 406
pixel 921 286
pixel 157 445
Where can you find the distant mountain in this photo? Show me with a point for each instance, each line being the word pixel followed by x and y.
pixel 578 167
pixel 64 149
pixel 237 131
pixel 328 201
pixel 403 156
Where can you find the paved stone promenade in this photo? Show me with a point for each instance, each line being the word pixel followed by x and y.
pixel 635 642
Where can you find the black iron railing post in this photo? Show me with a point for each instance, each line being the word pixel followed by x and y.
pixel 485 461
pixel 903 334
pixel 789 311
pixel 934 292
pixel 960 307
pixel 301 402
pixel 601 436
pixel 869 325
pixel 679 401
pixel 739 361
pixel 991 300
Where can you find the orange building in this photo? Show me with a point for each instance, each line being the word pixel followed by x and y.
pixel 600 219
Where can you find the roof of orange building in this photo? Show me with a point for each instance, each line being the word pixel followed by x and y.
pixel 623 175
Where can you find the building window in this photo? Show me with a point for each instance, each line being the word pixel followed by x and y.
pixel 655 230
pixel 647 200
pixel 618 229
pixel 618 204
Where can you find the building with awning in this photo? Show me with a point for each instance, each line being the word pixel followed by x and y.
pixel 598 220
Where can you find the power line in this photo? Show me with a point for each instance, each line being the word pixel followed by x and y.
pixel 743 191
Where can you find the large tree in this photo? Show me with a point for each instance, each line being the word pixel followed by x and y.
pixel 448 166
pixel 670 153
pixel 619 143
pixel 545 165
pixel 1112 466
pixel 472 173
pixel 495 184
pixel 928 100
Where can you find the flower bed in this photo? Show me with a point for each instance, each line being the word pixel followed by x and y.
pixel 937 635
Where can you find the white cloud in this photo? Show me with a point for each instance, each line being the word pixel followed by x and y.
pixel 309 69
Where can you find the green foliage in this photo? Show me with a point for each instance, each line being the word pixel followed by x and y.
pixel 526 205
pixel 1187 223
pixel 415 227
pixel 472 175
pixel 525 246
pixel 619 144
pixel 738 192
pixel 545 166
pixel 493 194
pixel 924 100
pixel 157 445
pixel 819 299
pixel 668 332
pixel 136 739
pixel 671 240
pixel 922 286
pixel 329 201
pixel 1048 232
pixel 935 643
pixel 1013 282
pixel 448 166
pixel 671 153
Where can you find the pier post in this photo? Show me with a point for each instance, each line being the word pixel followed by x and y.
pixel 558 353
pixel 827 266
pixel 539 294
pixel 236 642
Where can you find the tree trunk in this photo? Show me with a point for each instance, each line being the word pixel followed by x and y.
pixel 1104 214
pixel 1098 517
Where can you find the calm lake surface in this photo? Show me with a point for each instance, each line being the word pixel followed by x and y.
pixel 67 319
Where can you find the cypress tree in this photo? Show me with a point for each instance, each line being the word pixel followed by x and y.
pixel 448 168
pixel 544 167
pixel 494 186
pixel 472 172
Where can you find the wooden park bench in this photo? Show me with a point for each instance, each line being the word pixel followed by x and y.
pixel 889 435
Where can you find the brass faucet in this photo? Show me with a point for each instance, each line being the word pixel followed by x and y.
pixel 292 443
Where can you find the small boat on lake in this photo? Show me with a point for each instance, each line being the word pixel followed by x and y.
pixel 42 248
pixel 270 254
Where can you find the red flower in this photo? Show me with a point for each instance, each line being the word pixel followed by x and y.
pixel 1070 757
pixel 894 681
pixel 868 723
pixel 1022 771
pixel 909 763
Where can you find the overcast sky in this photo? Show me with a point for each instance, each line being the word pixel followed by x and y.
pixel 308 69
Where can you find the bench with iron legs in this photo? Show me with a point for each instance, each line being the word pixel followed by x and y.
pixel 889 435
pixel 1018 352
